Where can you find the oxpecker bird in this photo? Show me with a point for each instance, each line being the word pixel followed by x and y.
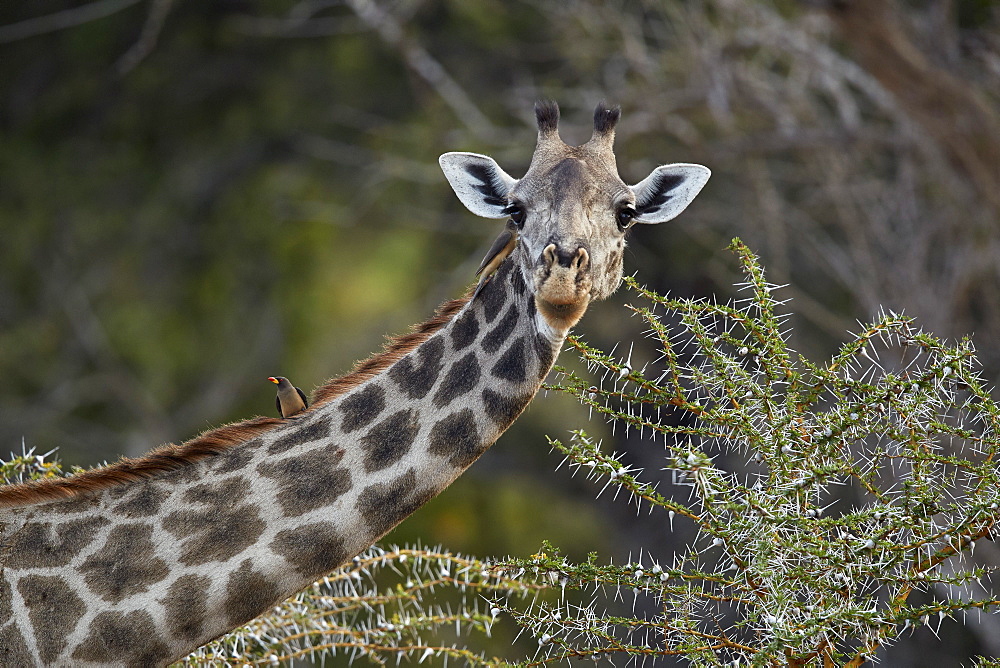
pixel 501 248
pixel 290 400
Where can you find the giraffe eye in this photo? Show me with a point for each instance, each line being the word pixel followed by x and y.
pixel 625 217
pixel 516 214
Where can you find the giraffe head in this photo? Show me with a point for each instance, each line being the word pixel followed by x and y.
pixel 572 210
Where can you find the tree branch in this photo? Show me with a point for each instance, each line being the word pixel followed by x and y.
pixel 61 20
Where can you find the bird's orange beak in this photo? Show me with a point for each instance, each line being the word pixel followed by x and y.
pixel 273 379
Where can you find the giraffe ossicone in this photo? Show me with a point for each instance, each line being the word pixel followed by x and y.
pixel 140 562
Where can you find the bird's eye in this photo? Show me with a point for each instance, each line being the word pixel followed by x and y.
pixel 625 217
pixel 516 214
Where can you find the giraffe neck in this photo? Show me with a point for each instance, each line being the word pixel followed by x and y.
pixel 143 573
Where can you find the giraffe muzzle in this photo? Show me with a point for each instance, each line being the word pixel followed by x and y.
pixel 562 285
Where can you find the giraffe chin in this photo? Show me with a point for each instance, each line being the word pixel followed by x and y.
pixel 562 316
pixel 562 300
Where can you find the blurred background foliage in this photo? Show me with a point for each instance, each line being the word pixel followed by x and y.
pixel 197 195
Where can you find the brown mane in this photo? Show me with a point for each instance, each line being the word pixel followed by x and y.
pixel 210 443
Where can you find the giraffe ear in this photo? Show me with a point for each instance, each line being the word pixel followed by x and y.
pixel 479 183
pixel 667 191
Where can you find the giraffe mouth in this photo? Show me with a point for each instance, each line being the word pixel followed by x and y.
pixel 562 286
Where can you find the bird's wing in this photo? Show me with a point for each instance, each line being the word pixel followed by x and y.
pixel 302 395
pixel 501 243
pixel 277 404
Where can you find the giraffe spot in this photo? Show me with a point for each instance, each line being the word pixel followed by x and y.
pixel 503 409
pixel 54 610
pixel 390 439
pixel 220 494
pixel 300 434
pixel 42 544
pixel 459 380
pixel 546 355
pixel 502 332
pixel 517 281
pixel 185 606
pixel 494 294
pixel 6 602
pixel 512 364
pixel 126 565
pixel 457 438
pixel 313 550
pixel 145 499
pixel 249 593
pixel 465 330
pixel 416 379
pixel 221 529
pixel 214 534
pixel 13 649
pixel 80 504
pixel 235 458
pixel 384 505
pixel 120 638
pixel 308 481
pixel 362 407
pixel 186 474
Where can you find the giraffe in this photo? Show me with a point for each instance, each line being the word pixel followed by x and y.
pixel 142 561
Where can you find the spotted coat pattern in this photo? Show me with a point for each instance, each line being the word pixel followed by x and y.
pixel 143 573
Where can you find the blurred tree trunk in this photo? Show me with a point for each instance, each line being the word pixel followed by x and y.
pixel 951 111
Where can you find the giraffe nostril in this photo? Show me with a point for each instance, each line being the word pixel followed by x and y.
pixel 549 254
pixel 577 259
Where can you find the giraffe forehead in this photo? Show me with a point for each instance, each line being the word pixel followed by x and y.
pixel 581 180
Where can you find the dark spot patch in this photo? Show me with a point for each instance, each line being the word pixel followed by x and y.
pixel 384 505
pixel 227 492
pixel 81 504
pixel 40 545
pixel 300 434
pixel 546 355
pixel 531 309
pixel 145 500
pixel 13 649
pixel 6 602
pixel 459 380
pixel 494 294
pixel 517 282
pixel 214 534
pixel 54 610
pixel 313 549
pixel 119 638
pixel 512 364
pixel 613 260
pixel 501 333
pixel 190 473
pixel 235 458
pixel 249 593
pixel 126 565
pixel 390 439
pixel 465 330
pixel 503 409
pixel 457 438
pixel 308 481
pixel 222 528
pixel 416 379
pixel 362 407
pixel 185 606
